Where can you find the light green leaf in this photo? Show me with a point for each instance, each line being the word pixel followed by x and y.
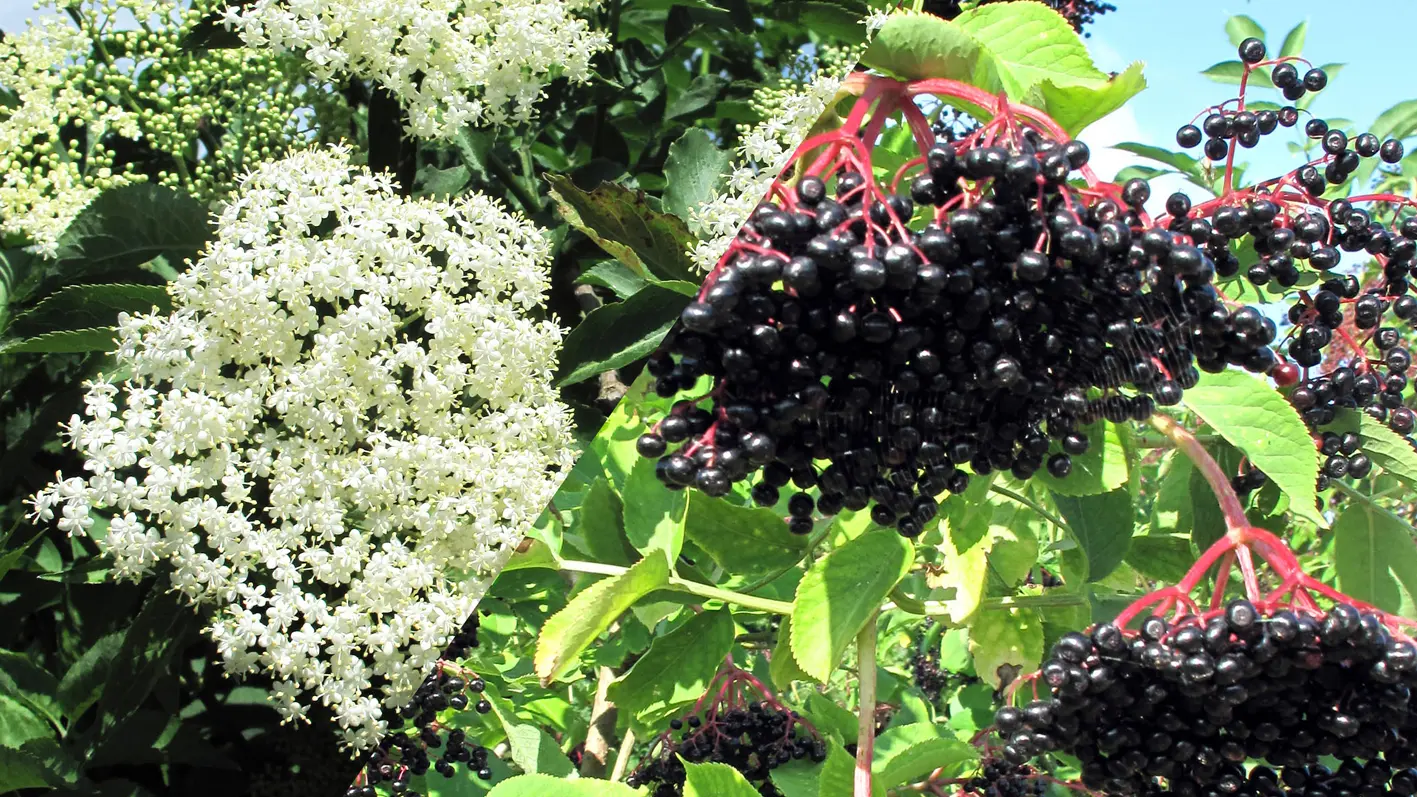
pixel 800 777
pixel 1231 73
pixel 1075 106
pixel 654 514
pixel 1030 43
pixel 614 275
pixel 913 46
pixel 838 774
pixel 1162 557
pixel 1376 558
pixel 963 572
pixel 716 780
pixel 1102 526
pixel 532 749
pixel 548 786
pixel 1249 413
pixel 675 670
pixel 783 668
pixel 1386 448
pixel 1102 468
pixel 828 717
pixel 590 613
pixel 20 723
pixel 1294 40
pixel 39 763
pixel 743 541
pixel 1000 637
pixel 915 761
pixel 1014 548
pixel 839 593
pixel 1241 27
pixel 695 172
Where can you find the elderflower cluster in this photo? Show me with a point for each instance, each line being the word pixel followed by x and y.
pixel 788 108
pixel 451 63
pixel 85 119
pixel 337 436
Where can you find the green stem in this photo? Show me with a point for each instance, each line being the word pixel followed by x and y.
pixel 684 585
pixel 514 185
pixel 1031 504
pixel 866 712
pixel 1367 500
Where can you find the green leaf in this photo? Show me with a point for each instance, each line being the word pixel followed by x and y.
pixel 743 541
pixel 1179 161
pixel 1241 27
pixel 86 306
pixel 69 341
pixel 675 670
pixel 914 761
pixel 532 748
pixel 130 225
pixel 1231 73
pixel 828 717
pixel 695 172
pixel 702 92
pixel 1386 448
pixel 838 774
pixel 783 668
pixel 1376 559
pixel 548 786
pixel 622 223
pixel 157 633
pixel 601 524
pixel 617 334
pixel 1013 549
pixel 716 780
pixel 590 613
pixel 654 514
pixel 1102 468
pixel 39 763
pixel 20 723
pixel 1030 43
pixel 964 550
pixel 913 46
pixel 1102 526
pixel 839 593
pixel 442 183
pixel 1162 557
pixel 1006 637
pixel 83 682
pixel 614 275
pixel 800 777
pixel 1075 106
pixel 1249 413
pixel 27 681
pixel 1294 40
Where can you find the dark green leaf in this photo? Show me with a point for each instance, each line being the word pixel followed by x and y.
pixel 615 335
pixel 1162 557
pixel 1101 526
pixel 40 763
pixel 69 341
pixel 700 94
pixel 743 541
pixel 676 670
pixel 83 683
pixel 911 755
pixel 622 223
pixel 130 225
pixel 696 171
pixel 87 306
pixel 442 183
pixel 22 678
pixel 601 525
pixel 155 635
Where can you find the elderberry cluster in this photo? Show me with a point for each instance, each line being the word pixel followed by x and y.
pixel 837 329
pixel 1179 709
pixel 1003 779
pixel 753 739
pixel 415 735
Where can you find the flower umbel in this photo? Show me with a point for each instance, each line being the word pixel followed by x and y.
pixel 337 435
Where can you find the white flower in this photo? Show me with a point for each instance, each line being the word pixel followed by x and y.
pixel 333 438
pixel 450 62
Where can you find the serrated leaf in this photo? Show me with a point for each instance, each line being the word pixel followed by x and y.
pixel 68 341
pixel 601 523
pixel 157 632
pixel 88 306
pixel 622 223
pixel 531 748
pixel 783 668
pixel 839 593
pixel 915 761
pixel 1250 414
pixel 1386 448
pixel 913 46
pixel 1161 557
pixel 964 572
pixel 838 774
pixel 828 717
pixel 1241 27
pixel 1075 106
pixel 1294 40
pixel 1000 637
pixel 590 613
pixel 617 334
pixel 548 786
pixel 38 764
pixel 83 682
pixel 442 183
pixel 1102 468
pixel 27 681
pixel 676 669
pixel 19 723
pixel 741 540
pixel 128 226
pixel 1102 526
pixel 716 780
pixel 614 275
pixel 800 777
pixel 1030 43
pixel 702 92
pixel 695 172
pixel 1376 558
pixel 1013 549
pixel 654 514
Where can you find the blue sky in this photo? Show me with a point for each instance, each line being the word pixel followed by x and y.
pixel 1178 42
